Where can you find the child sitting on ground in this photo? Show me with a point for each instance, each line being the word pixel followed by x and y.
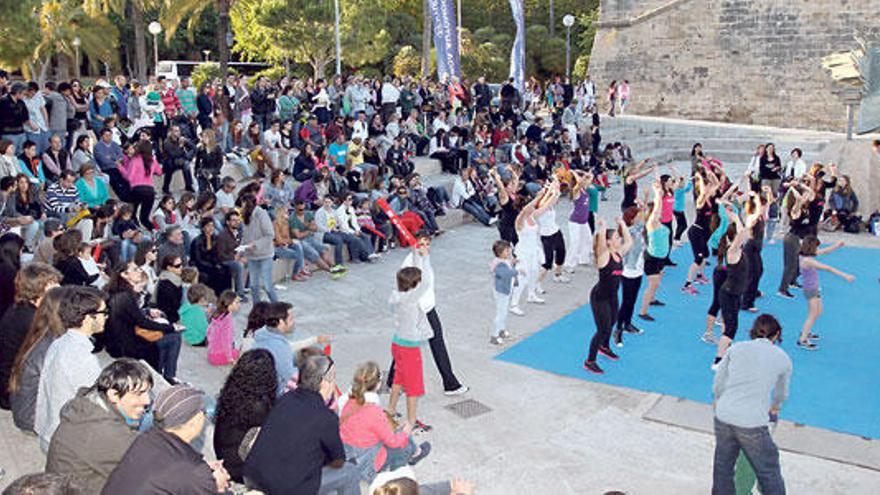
pixel 503 266
pixel 194 314
pixel 221 333
pixel 126 228
pixel 411 330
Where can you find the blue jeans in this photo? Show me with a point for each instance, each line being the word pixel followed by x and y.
pixel 292 252
pixel 473 207
pixel 261 278
pixel 397 458
pixel 127 250
pixel 169 349
pixel 17 140
pixel 312 248
pixel 343 481
pixel 236 269
pixel 759 450
pixel 41 138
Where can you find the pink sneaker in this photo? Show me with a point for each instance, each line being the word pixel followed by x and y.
pixel 702 280
pixel 690 289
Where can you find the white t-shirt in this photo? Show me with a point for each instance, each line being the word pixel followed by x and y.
pixel 225 199
pixel 547 223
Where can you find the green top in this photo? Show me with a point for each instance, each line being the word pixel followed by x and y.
pixel 187 101
pixel 287 106
pixel 193 317
pixel 295 222
pixel 93 198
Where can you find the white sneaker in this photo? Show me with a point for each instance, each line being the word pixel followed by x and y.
pixel 505 334
pixel 493 221
pixel 535 300
pixel 496 341
pixel 461 390
pixel 540 290
pixel 517 311
pixel 373 256
pixel 562 279
pixel 568 269
pixel 280 287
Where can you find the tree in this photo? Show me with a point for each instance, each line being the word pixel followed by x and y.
pixel 19 31
pixel 174 12
pixel 131 11
pixel 545 55
pixel 406 62
pixel 427 37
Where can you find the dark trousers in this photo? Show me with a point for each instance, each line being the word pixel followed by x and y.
pixel 604 314
pixel 630 287
pixel 759 449
pixel 756 270
pixel 169 350
pixel 142 198
pixel 681 224
pixel 791 246
pixel 730 305
pixel 438 350
pixel 718 277
pixel 169 174
pixel 119 184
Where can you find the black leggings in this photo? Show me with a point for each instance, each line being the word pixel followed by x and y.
pixel 730 304
pixel 791 246
pixel 756 270
pixel 604 314
pixel 142 198
pixel 554 250
pixel 699 243
pixel 630 288
pixel 681 224
pixel 719 275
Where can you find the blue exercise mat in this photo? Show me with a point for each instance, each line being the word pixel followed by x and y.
pixel 836 387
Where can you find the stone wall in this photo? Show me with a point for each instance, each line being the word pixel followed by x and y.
pixel 744 61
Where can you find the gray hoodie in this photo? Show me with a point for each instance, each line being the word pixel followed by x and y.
pixel 261 233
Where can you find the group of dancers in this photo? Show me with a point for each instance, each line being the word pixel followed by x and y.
pixel 733 217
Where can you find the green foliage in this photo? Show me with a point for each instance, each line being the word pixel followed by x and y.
pixel 407 62
pixel 545 55
pixel 587 21
pixel 581 67
pixel 274 73
pixel 205 72
pixel 19 31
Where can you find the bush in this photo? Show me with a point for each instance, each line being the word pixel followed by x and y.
pixel 407 62
pixel 204 72
pixel 274 73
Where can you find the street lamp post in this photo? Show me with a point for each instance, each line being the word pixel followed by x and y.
pixel 155 28
pixel 568 22
pixel 76 43
pixel 207 55
pixel 338 42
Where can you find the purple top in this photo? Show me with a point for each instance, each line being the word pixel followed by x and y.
pixel 581 211
pixel 809 277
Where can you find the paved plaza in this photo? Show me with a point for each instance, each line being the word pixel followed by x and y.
pixel 544 433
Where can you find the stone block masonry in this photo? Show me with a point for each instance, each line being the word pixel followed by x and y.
pixel 743 61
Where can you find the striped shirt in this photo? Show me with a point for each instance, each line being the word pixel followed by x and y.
pixel 59 199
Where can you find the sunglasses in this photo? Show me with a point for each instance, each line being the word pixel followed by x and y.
pixel 104 311
pixel 177 265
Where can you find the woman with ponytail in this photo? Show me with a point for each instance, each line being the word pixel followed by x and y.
pixel 368 433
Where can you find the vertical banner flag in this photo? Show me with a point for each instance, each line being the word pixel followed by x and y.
pixel 445 39
pixel 518 52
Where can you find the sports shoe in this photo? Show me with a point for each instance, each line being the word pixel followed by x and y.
pixel 815 336
pixel 715 363
pixel 786 294
pixel 795 285
pixel 461 390
pixel 646 317
pixel 633 329
pixel 372 256
pixel 592 367
pixel 540 290
pixel 568 269
pixel 690 289
pixel 657 302
pixel 338 268
pixel 493 221
pixel 424 450
pixel 702 280
pixel 605 351
pixel 810 346
pixel 535 300
pixel 496 341
pixel 562 279
pixel 709 338
pixel 618 338
pixel 517 311
pixel 421 427
pixel 751 310
pixel 505 334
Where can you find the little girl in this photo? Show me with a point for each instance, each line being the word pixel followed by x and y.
pixel 91 266
pixel 411 330
pixel 810 282
pixel 505 276
pixel 379 235
pixel 221 333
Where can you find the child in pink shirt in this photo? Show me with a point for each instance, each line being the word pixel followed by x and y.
pixel 221 333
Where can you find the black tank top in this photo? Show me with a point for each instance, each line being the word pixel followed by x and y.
pixel 507 217
pixel 704 216
pixel 609 279
pixel 737 276
pixel 630 191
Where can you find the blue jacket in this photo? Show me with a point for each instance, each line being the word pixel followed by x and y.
pixel 276 343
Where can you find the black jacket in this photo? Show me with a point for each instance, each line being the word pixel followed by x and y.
pixel 14 327
pixel 169 297
pixel 119 331
pixel 73 272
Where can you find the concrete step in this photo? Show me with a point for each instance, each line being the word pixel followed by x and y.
pixel 705 129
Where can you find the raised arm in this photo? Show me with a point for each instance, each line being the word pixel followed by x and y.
pixel 654 219
pixel 627 237
pixel 828 268
pixel 834 247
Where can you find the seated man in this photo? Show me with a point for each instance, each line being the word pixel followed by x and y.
pixel 100 423
pixel 63 202
pixel 464 196
pixel 299 449
pixel 163 460
pixel 69 363
pixel 226 243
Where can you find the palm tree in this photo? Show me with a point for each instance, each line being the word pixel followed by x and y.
pixel 133 10
pixel 175 11
pixel 62 21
